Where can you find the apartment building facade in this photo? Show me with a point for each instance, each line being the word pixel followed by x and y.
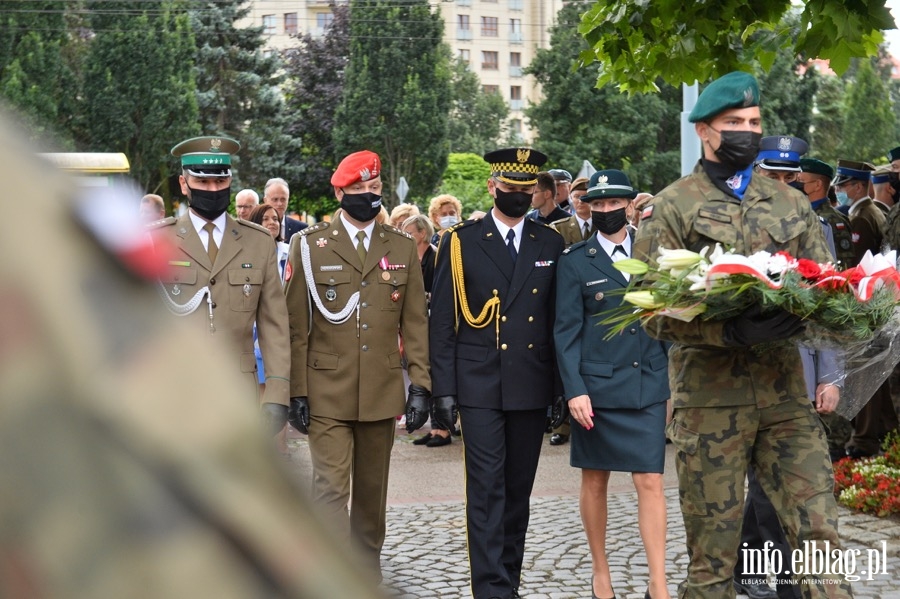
pixel 496 38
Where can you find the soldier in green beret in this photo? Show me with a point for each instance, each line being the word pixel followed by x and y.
pixel 815 178
pixel 737 408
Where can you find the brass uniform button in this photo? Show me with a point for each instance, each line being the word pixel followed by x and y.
pixel 503 346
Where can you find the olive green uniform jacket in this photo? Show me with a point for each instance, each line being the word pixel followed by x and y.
pixel 352 370
pixel 245 289
pixel 867 223
pixel 570 231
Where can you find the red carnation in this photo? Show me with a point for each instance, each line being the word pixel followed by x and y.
pixel 808 269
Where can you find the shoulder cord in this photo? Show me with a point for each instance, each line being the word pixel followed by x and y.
pixel 333 317
pixel 181 309
pixel 491 309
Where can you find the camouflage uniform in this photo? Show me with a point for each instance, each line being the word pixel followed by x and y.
pixel 840 228
pixel 114 484
pixel 736 407
pixel 892 228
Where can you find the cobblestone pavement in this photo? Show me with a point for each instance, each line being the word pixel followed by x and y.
pixel 424 556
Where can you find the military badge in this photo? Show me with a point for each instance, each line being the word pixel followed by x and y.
pixel 784 144
pixel 522 154
pixel 321 242
pixel 176 290
pixel 395 296
pixel 247 290
pixel 330 294
pixel 647 212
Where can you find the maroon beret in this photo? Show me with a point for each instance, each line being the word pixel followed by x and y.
pixel 359 166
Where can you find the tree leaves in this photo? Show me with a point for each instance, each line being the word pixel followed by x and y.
pixel 637 42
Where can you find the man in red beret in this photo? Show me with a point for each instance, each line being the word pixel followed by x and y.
pixel 352 286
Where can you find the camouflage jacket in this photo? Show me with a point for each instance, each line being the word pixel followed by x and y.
pixel 692 213
pixel 892 229
pixel 840 229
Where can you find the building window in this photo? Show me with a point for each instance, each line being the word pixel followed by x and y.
pixel 515 31
pixel 465 55
pixel 490 89
pixel 290 23
pixel 516 5
pixel 489 26
pixel 269 27
pixel 515 98
pixel 489 61
pixel 515 59
pixel 463 30
pixel 324 19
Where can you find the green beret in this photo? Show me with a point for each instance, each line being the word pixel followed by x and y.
pixel 816 167
pixel 734 90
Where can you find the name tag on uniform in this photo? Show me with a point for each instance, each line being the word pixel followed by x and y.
pixel 597 282
pixel 541 263
pixel 330 267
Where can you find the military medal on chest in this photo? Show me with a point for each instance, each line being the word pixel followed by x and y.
pixel 386 268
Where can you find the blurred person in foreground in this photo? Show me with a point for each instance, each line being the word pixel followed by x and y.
pixel 616 389
pixel 138 466
pixel 737 408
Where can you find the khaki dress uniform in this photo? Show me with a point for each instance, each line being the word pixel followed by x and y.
pixel 736 407
pixel 241 288
pixel 571 230
pixel 345 319
pixel 840 229
pixel 867 224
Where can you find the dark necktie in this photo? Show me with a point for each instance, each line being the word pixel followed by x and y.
pixel 586 232
pixel 211 248
pixel 619 248
pixel 511 245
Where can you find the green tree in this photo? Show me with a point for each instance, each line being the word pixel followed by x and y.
pixel 828 120
pixel 466 179
pixel 238 92
pixel 868 117
pixel 314 85
pixel 787 108
pixel 38 77
pixel 397 93
pixel 139 87
pixel 476 117
pixel 637 42
pixel 577 121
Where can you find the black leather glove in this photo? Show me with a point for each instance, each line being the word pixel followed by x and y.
pixel 444 412
pixel 298 415
pixel 274 417
pixel 416 407
pixel 752 327
pixel 559 411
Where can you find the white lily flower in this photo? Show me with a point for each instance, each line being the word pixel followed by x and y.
pixel 677 259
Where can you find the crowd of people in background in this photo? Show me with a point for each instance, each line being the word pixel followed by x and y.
pixel 488 325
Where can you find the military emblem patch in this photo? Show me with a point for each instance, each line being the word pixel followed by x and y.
pixel 647 212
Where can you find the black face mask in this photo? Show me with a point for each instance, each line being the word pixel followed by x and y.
pixel 797 185
pixel 513 204
pixel 609 222
pixel 209 204
pixel 738 149
pixel 361 206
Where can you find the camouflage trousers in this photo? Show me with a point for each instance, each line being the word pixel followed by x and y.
pixel 785 444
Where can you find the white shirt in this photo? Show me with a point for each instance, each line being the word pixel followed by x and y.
pixel 609 247
pixel 218 231
pixel 352 231
pixel 504 230
pixel 581 223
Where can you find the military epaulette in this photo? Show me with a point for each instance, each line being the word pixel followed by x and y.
pixel 577 244
pixel 392 229
pixel 463 224
pixel 165 222
pixel 251 225
pixel 319 226
pixel 560 221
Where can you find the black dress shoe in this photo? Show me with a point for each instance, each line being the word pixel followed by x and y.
pixel 559 439
pixel 439 441
pixel 858 454
pixel 755 590
pixel 423 440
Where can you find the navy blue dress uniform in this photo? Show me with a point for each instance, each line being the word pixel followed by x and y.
pixel 225 288
pixel 492 354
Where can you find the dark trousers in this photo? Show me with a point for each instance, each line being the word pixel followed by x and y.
pixel 501 456
pixel 875 419
pixel 760 525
